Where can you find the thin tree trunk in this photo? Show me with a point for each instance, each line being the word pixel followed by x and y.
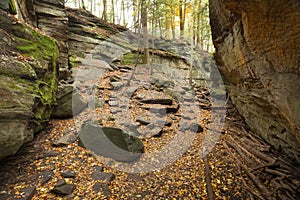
pixel 113 11
pixel 181 18
pixel 173 22
pixel 104 14
pixel 134 15
pixel 144 20
pixel 82 4
pixel 123 13
pixel 91 6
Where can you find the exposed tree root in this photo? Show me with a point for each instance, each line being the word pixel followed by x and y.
pixel 209 189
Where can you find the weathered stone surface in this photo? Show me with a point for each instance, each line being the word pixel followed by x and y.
pixel 111 142
pixel 28 192
pixel 62 188
pixel 142 121
pixel 103 176
pixel 257 50
pixel 46 176
pixel 81 37
pixel 27 86
pixel 97 187
pixel 69 102
pixel 196 128
pixel 66 139
pixel 51 18
pixel 68 174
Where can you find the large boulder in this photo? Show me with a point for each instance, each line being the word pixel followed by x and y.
pixel 111 142
pixel 28 83
pixel 69 102
pixel 257 51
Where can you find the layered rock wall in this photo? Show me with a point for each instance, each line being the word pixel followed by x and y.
pixel 28 83
pixel 258 52
pixel 51 18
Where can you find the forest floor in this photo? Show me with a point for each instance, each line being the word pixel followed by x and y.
pixel 240 166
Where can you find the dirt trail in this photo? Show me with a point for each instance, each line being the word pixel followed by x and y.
pixel 240 166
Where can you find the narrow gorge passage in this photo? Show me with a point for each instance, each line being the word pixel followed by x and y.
pixel 240 166
pixel 149 99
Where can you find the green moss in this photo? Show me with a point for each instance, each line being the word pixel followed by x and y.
pixel 130 58
pixel 74 60
pixel 45 51
pixel 40 47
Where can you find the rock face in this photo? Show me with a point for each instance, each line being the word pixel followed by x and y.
pixel 86 39
pixel 257 50
pixel 28 83
pixel 69 102
pixel 51 18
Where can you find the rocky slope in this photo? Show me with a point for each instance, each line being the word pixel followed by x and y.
pixel 28 82
pixel 258 50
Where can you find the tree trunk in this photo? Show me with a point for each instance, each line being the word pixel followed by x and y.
pixel 104 14
pixel 181 17
pixel 113 11
pixel 144 21
pixel 123 13
pixel 83 6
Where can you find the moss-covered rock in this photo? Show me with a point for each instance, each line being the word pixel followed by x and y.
pixel 9 5
pixel 28 83
pixel 69 102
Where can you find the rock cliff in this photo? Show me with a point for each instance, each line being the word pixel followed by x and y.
pixel 28 82
pixel 258 52
pixel 51 18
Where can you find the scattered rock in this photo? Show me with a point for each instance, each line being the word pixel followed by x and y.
pixel 183 126
pixel 130 91
pixel 98 168
pixel 111 142
pixel 28 192
pixel 68 174
pixel 115 78
pixel 194 127
pixel 46 176
pixel 163 123
pixel 115 111
pixel 132 128
pixel 117 85
pixel 103 176
pixel 150 126
pixel 62 188
pixel 67 139
pixel 155 132
pixel 97 187
pixel 113 103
